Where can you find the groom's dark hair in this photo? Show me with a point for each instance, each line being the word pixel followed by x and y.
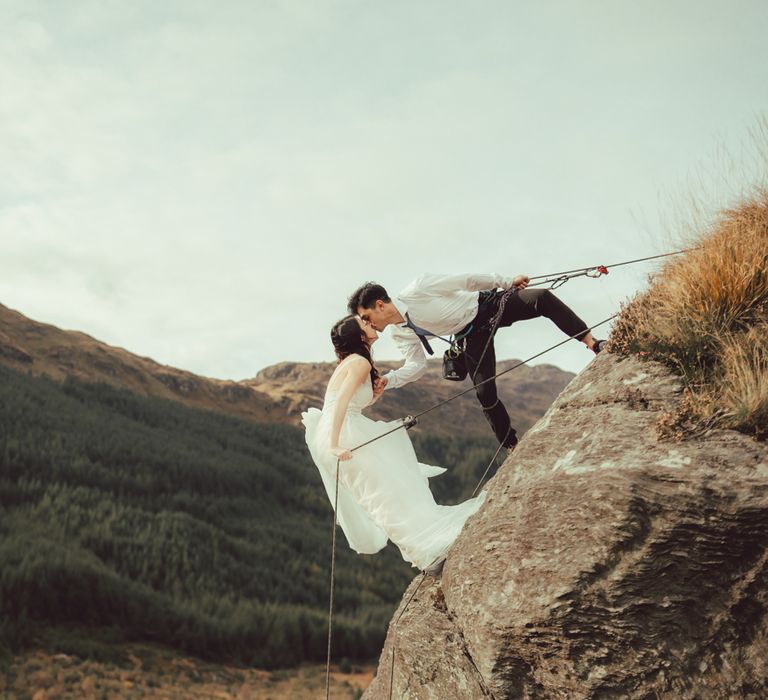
pixel 366 296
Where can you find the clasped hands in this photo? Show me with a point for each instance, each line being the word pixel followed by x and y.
pixel 378 387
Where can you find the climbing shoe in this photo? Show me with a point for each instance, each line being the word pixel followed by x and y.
pixel 599 346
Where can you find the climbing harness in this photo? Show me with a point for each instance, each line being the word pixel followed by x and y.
pixel 555 280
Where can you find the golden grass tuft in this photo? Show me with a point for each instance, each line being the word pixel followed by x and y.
pixel 706 315
pixel 743 383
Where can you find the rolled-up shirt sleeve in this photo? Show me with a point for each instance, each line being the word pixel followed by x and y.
pixel 415 359
pixel 444 284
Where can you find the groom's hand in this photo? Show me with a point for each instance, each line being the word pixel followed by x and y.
pixel 521 281
pixel 378 387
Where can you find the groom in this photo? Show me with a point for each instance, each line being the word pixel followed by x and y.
pixel 448 305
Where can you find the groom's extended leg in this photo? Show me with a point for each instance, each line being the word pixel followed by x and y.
pixel 493 408
pixel 532 303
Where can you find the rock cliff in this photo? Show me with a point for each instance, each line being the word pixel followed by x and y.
pixel 607 562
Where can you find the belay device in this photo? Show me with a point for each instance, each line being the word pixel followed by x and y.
pixel 454 363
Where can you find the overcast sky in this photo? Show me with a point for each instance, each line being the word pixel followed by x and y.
pixel 205 183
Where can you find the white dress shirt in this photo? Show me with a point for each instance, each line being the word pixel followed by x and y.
pixel 441 304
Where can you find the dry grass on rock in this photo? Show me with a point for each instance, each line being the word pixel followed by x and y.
pixel 706 315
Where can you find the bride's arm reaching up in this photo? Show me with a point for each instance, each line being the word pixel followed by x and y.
pixel 357 371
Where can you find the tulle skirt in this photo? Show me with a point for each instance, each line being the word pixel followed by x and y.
pixel 384 490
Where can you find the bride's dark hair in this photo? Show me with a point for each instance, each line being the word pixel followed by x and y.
pixel 348 339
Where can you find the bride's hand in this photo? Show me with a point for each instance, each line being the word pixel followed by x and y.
pixel 341 454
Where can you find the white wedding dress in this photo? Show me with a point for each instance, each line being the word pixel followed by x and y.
pixel 383 490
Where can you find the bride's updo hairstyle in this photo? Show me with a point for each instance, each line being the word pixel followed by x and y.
pixel 348 339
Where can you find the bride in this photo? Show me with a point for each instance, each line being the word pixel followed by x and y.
pixel 383 489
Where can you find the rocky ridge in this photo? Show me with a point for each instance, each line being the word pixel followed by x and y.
pixel 277 394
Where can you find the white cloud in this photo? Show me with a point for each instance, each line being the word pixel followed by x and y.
pixel 206 184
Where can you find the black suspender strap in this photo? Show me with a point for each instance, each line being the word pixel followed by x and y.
pixel 421 333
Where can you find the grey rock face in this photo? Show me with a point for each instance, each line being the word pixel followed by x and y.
pixel 425 626
pixel 606 562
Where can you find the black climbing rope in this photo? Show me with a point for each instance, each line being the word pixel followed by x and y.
pixel 330 602
pixel 394 630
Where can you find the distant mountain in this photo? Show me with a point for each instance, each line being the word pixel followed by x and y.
pixel 41 349
pixel 276 394
pixel 526 391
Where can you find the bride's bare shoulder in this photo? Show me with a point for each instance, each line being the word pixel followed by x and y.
pixel 358 360
pixel 357 366
pixel 354 365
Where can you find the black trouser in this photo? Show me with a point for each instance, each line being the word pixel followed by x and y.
pixel 522 305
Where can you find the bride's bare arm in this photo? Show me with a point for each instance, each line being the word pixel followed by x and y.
pixel 357 371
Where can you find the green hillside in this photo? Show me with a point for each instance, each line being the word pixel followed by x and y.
pixel 125 518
